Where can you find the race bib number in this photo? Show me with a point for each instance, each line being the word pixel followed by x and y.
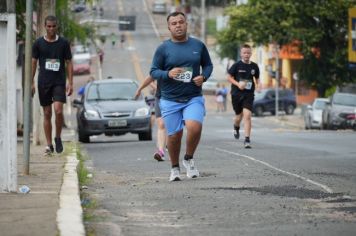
pixel 185 76
pixel 248 85
pixel 52 64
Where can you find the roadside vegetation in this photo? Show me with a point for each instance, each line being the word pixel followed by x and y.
pixel 318 28
pixel 68 24
pixel 88 203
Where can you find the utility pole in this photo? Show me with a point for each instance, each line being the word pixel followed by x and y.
pixel 202 34
pixel 45 8
pixel 27 88
pixel 8 136
pixel 277 79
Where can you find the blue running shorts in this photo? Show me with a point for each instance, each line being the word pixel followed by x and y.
pixel 175 113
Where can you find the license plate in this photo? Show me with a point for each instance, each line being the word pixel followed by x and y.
pixel 117 123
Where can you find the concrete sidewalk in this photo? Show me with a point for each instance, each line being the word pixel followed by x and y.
pixel 35 213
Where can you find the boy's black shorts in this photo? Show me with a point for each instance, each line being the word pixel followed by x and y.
pixel 51 93
pixel 242 100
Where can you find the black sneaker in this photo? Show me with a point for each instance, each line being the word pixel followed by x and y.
pixel 59 145
pixel 49 150
pixel 236 132
pixel 247 144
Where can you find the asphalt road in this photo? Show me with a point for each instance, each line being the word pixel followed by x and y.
pixel 292 182
pixel 289 187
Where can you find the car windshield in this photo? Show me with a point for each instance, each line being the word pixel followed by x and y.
pixel 111 91
pixel 80 61
pixel 80 49
pixel 319 104
pixel 345 99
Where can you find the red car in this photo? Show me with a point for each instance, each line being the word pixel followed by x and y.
pixel 81 67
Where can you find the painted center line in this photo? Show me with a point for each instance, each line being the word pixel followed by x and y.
pixel 324 187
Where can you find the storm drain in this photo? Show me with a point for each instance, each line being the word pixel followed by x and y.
pixel 283 191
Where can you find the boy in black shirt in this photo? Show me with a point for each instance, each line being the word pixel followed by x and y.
pixel 244 77
pixel 52 53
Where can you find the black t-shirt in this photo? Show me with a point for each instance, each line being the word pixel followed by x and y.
pixel 243 71
pixel 51 57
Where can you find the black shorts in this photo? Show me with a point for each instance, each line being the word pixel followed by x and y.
pixel 51 93
pixel 157 108
pixel 242 100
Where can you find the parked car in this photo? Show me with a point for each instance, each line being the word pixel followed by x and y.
pixel 210 86
pixel 265 101
pixel 81 52
pixel 109 107
pixel 79 48
pixel 81 66
pixel 337 110
pixel 314 112
pixel 79 7
pixel 159 7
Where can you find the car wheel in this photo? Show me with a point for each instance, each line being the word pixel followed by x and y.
pixel 259 111
pixel 289 110
pixel 329 125
pixel 83 138
pixel 306 122
pixel 147 136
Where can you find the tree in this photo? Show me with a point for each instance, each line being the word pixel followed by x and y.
pixel 320 26
pixel 208 3
pixel 68 26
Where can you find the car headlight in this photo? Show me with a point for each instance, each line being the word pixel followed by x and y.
pixel 143 111
pixel 91 114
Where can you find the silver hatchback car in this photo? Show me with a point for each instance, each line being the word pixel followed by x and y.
pixel 337 111
pixel 109 107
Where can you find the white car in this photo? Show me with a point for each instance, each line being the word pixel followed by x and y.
pixel 313 114
pixel 159 7
pixel 81 53
pixel 82 57
pixel 210 86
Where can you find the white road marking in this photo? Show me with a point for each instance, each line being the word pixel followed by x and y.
pixel 324 187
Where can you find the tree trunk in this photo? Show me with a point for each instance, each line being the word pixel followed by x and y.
pixel 45 8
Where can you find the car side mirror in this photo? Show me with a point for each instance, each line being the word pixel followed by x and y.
pixel 77 103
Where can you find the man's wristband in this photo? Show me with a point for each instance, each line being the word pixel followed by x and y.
pixel 204 78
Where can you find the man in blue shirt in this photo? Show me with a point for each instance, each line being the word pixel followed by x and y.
pixel 181 64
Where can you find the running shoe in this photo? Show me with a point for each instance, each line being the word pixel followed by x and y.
pixel 175 174
pixel 192 171
pixel 49 150
pixel 59 145
pixel 159 155
pixel 247 144
pixel 236 133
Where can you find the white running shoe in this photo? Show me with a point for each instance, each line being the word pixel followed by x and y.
pixel 175 174
pixel 192 171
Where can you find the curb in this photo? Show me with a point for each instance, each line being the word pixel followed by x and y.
pixel 70 212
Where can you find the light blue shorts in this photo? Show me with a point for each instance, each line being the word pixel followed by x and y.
pixel 175 113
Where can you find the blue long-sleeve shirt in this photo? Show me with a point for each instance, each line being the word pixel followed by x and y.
pixel 191 55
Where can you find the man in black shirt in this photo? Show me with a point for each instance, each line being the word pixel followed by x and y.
pixel 244 77
pixel 52 53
